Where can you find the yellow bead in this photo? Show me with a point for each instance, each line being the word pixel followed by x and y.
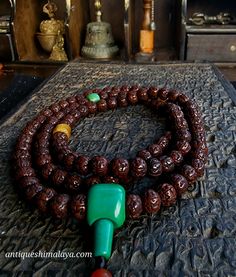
pixel 64 128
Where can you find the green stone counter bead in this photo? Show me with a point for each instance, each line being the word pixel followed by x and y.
pixel 93 97
pixel 106 212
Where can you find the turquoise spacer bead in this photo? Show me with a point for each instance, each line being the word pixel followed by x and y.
pixel 106 212
pixel 93 97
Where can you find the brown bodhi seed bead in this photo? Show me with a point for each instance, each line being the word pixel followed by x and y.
pixel 78 207
pixel 183 134
pixel 168 195
pixel 47 170
pixel 23 162
pixel 69 161
pixel 43 197
pixel 155 150
pixel 182 99
pixel 114 93
pixel 69 119
pixel 76 114
pixel 189 173
pixel 120 167
pixel 152 92
pixel 134 206
pixel 132 97
pixel 28 181
pixel 63 104
pixel 163 141
pixel 55 108
pixel 163 94
pixel 180 183
pixel 183 146
pixel 138 168
pixel 122 101
pixel 199 154
pixel 111 103
pixel 83 110
pixel 71 99
pixel 145 154
pixel 21 154
pixel 43 159
pixel 23 145
pixel 59 205
pixel 143 95
pixel 167 164
pixel 93 180
pixel 25 172
pixel 92 107
pixel 154 167
pixel 102 105
pixel 152 201
pixel 99 165
pixel 58 176
pixel 110 179
pixel 103 94
pixel 173 95
pixel 47 112
pixel 82 165
pixel 32 191
pixel 177 157
pixel 72 182
pixel 199 167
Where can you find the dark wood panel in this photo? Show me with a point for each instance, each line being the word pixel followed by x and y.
pixel 78 19
pixel 211 47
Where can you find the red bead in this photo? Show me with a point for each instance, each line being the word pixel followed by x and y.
pixel 177 157
pixel 120 167
pixel 134 206
pixel 82 165
pixel 155 150
pixel 180 183
pixel 101 272
pixel 163 142
pixel 145 154
pixel 43 198
pixel 183 146
pixel 132 97
pixel 142 95
pixel 111 103
pixel 168 195
pixel 59 205
pixel 152 201
pixel 154 167
pixel 102 105
pixel 189 173
pixel 199 166
pixel 167 164
pixel 138 168
pixel 78 206
pixel 99 165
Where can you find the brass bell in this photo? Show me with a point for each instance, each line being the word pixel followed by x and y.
pixel 99 42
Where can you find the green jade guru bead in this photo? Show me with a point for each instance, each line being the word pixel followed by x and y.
pixel 106 212
pixel 93 97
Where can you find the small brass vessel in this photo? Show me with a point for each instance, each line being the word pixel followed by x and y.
pixel 99 42
pixel 51 33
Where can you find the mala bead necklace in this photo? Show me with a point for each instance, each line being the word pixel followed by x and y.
pixel 62 182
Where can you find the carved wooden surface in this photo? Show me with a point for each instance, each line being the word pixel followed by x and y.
pixel 196 237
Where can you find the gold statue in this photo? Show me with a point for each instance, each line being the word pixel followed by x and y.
pixel 99 42
pixel 51 34
pixel 58 52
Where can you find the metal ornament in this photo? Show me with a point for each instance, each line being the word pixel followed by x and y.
pixel 147 31
pixel 99 42
pixel 200 19
pixel 51 34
